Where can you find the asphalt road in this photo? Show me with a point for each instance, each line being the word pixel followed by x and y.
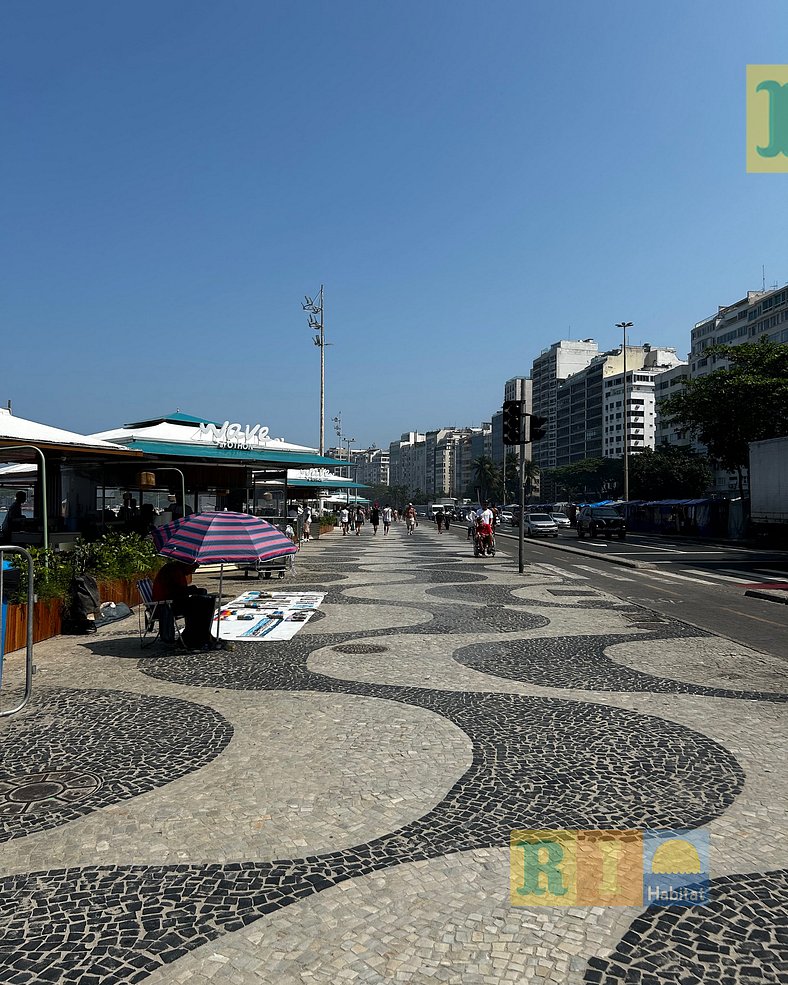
pixel 703 584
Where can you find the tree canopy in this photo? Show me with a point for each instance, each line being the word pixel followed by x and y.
pixel 669 472
pixel 591 478
pixel 728 408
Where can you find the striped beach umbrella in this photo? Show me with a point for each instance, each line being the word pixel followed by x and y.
pixel 221 538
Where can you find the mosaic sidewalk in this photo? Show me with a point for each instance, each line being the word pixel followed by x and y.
pixel 338 807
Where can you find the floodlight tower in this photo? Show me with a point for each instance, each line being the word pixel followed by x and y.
pixel 315 311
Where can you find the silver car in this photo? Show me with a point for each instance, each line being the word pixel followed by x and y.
pixel 540 525
pixel 562 520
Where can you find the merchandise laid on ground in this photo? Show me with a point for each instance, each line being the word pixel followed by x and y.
pixel 453 773
pixel 265 615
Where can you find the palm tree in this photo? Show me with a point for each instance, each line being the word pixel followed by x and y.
pixel 486 476
pixel 531 472
pixel 511 468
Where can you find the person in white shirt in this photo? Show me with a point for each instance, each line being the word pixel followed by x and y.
pixel 386 519
pixel 485 514
pixel 344 519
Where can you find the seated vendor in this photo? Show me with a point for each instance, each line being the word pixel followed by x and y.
pixel 173 582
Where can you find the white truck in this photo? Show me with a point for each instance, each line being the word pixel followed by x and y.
pixel 769 485
pixel 447 503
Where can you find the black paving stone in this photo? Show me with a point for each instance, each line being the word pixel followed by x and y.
pixel 131 743
pixel 707 943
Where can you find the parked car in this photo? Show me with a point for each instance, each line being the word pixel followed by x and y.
pixel 540 525
pixel 595 520
pixel 562 520
pixel 507 517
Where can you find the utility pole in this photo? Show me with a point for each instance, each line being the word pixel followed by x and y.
pixel 316 309
pixel 349 442
pixel 521 551
pixel 624 325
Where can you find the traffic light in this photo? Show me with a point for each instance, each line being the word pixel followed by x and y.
pixel 512 417
pixel 538 427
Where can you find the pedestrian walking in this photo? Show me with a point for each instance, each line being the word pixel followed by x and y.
pixel 471 520
pixel 359 520
pixel 307 524
pixel 439 521
pixel 374 518
pixel 410 518
pixel 344 520
pixel 446 519
pixel 386 518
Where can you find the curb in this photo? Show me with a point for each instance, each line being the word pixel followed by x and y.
pixel 768 596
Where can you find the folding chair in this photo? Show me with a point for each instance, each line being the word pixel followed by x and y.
pixel 156 620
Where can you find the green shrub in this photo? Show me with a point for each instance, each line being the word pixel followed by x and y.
pixel 113 556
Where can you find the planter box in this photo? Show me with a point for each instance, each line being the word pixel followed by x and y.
pixel 47 615
pixel 47 622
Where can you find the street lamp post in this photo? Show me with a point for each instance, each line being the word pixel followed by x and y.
pixel 315 311
pixel 624 325
pixel 349 441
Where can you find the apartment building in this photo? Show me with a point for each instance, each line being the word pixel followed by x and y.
pixel 590 410
pixel 372 466
pixel 463 469
pixel 759 314
pixel 406 465
pixel 639 411
pixel 666 384
pixel 553 365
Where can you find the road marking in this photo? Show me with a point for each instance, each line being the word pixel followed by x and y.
pixel 643 598
pixel 667 550
pixel 672 575
pixel 713 574
pixel 562 572
pixel 601 574
pixel 774 571
pixel 748 575
pixel 759 618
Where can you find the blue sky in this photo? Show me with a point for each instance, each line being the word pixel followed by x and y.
pixel 468 180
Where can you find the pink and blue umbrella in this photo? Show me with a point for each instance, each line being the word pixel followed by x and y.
pixel 221 538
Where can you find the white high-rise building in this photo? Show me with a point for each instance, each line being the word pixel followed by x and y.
pixel 760 314
pixel 639 413
pixel 406 467
pixel 550 367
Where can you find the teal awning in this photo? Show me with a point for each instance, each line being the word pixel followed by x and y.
pixel 239 456
pixel 331 484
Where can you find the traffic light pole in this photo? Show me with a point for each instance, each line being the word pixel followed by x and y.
pixel 514 416
pixel 522 493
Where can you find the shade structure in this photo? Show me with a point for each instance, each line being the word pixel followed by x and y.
pixel 221 538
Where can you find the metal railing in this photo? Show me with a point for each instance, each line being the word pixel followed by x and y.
pixel 14 549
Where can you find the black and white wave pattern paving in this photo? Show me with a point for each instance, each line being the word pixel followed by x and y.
pixel 501 595
pixel 739 938
pixel 537 763
pixel 580 662
pixel 130 743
